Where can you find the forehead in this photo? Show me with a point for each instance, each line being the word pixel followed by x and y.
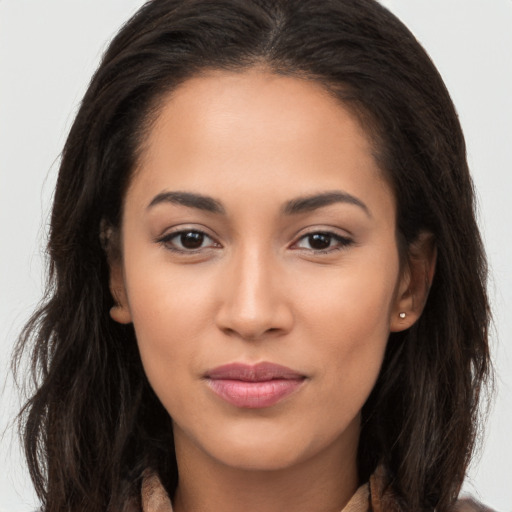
pixel 222 129
pixel 253 103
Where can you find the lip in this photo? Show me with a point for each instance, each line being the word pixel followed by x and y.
pixel 253 386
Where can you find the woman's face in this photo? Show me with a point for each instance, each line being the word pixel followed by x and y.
pixel 259 231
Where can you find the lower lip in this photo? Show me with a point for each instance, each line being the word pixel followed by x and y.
pixel 254 395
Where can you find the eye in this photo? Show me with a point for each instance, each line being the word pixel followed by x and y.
pixel 323 241
pixel 189 240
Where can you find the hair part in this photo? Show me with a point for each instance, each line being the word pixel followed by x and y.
pixel 94 424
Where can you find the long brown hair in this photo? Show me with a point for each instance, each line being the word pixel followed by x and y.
pixel 94 424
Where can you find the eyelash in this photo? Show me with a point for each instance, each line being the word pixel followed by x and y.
pixel 166 241
pixel 342 242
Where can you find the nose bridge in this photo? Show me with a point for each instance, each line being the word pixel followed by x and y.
pixel 253 279
pixel 253 302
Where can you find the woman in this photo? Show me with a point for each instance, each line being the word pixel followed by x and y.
pixel 268 284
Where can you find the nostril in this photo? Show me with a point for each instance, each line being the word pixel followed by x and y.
pixel 251 308
pixel 251 334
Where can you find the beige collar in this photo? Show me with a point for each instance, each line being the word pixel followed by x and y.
pixel 374 496
pixel 155 498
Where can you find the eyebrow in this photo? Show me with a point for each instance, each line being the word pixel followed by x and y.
pixel 190 200
pixel 313 202
pixel 292 207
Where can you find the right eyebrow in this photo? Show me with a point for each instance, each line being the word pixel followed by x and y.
pixel 315 201
pixel 189 199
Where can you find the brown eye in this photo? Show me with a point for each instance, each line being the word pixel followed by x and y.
pixel 322 242
pixel 188 241
pixel 319 241
pixel 192 239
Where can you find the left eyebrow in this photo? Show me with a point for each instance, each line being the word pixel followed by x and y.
pixel 190 200
pixel 313 202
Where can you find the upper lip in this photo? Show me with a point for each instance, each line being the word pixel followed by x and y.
pixel 260 372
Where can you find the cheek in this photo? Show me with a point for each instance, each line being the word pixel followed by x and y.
pixel 171 313
pixel 348 314
pixel 165 299
pixel 356 299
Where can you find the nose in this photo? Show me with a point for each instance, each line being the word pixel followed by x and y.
pixel 254 301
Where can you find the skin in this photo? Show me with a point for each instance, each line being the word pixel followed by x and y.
pixel 257 288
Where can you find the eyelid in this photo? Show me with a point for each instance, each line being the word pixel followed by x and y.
pixel 344 240
pixel 166 238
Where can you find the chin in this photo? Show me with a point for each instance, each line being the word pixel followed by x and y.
pixel 268 447
pixel 260 456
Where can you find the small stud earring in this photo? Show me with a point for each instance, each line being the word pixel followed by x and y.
pixel 402 315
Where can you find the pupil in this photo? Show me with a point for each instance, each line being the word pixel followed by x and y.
pixel 319 241
pixel 192 240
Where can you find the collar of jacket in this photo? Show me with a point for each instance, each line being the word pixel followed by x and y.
pixel 370 497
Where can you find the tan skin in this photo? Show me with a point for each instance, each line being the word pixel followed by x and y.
pixel 317 289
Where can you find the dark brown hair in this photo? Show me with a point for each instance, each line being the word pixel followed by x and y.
pixel 94 424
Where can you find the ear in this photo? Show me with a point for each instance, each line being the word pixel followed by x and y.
pixel 415 282
pixel 120 311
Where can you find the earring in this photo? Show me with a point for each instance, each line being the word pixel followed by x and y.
pixel 402 315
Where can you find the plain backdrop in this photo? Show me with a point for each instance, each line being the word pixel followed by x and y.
pixel 48 52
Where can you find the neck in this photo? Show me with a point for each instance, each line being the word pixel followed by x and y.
pixel 323 483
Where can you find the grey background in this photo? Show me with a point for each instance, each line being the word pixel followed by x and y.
pixel 50 48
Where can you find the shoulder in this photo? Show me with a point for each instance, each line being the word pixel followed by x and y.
pixel 384 499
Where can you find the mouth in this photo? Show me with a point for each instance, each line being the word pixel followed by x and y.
pixel 253 386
